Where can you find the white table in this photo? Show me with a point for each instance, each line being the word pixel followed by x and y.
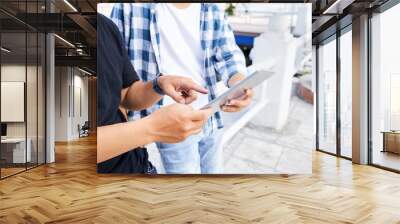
pixel 19 153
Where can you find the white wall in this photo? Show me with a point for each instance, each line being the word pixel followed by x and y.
pixel 61 103
pixel 80 94
pixel 12 99
pixel 70 83
pixel 15 73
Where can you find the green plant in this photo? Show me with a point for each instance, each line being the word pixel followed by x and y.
pixel 230 10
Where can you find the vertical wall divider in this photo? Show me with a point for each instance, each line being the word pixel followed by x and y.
pixel 60 76
pixel 369 96
pixel 72 105
pixel 80 102
pixel 26 87
pixel 317 97
pixel 338 91
pixel 45 91
pixel 45 96
pixel 359 91
pixel 37 90
pixel 69 92
pixel 1 165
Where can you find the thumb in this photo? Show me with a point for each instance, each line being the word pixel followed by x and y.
pixel 200 115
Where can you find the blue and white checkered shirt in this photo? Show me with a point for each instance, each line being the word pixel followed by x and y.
pixel 137 23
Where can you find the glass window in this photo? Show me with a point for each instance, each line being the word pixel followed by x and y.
pixel 22 91
pixel 346 94
pixel 13 88
pixel 327 96
pixel 31 97
pixel 32 86
pixel 385 93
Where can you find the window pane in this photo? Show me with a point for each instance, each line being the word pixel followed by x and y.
pixel 14 152
pixel 386 89
pixel 327 97
pixel 31 97
pixel 346 93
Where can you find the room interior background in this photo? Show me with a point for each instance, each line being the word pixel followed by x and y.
pixel 45 98
pixel 382 17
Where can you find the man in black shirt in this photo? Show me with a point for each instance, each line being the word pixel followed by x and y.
pixel 118 88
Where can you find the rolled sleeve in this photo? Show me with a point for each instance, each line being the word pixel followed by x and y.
pixel 229 59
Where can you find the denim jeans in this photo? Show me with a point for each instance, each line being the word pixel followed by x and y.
pixel 200 153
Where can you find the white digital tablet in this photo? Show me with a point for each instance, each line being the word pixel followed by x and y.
pixel 238 89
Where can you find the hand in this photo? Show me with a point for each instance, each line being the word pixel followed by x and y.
pixel 175 122
pixel 235 105
pixel 182 90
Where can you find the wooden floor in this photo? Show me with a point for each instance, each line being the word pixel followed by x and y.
pixel 10 171
pixel 70 191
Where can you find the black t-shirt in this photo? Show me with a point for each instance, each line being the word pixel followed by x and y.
pixel 115 72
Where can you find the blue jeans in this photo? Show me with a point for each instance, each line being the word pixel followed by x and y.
pixel 200 153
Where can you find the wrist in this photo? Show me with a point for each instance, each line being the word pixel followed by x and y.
pixel 158 85
pixel 149 129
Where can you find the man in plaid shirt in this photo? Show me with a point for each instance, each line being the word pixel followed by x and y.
pixel 190 40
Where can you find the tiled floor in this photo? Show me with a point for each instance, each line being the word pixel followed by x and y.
pixel 261 150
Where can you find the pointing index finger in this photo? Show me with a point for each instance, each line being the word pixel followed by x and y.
pixel 193 86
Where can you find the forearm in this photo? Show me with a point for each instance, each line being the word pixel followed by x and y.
pixel 140 96
pixel 116 139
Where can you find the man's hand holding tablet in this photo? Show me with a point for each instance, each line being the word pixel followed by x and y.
pixel 240 100
pixel 240 92
pixel 237 104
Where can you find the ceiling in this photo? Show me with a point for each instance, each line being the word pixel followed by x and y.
pixel 330 15
pixel 76 25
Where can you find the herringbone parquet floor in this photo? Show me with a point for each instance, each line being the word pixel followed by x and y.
pixel 70 191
